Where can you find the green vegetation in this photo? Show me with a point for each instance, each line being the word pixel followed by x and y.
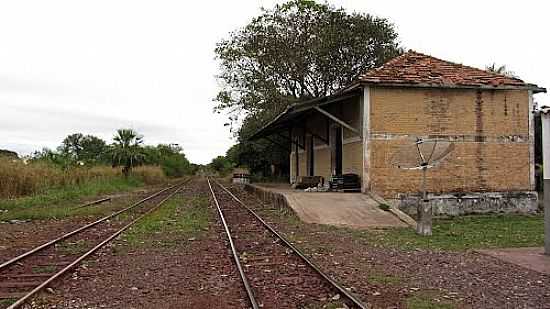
pixel 73 248
pixel 290 53
pixel 384 207
pixel 7 301
pixel 127 150
pixel 43 269
pixel 61 202
pixel 383 279
pixel 467 232
pixel 178 220
pixel 427 300
pixel 85 158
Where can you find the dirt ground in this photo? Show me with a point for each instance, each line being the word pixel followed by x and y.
pixel 195 271
pixel 16 238
pixel 396 278
pixel 182 270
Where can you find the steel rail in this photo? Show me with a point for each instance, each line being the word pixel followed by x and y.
pixel 85 227
pixel 103 200
pixel 23 299
pixel 298 252
pixel 247 287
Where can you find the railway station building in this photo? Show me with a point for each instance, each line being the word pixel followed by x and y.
pixel 486 116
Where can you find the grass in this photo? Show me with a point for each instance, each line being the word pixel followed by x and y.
pixel 382 279
pixel 427 300
pixel 73 248
pixel 60 202
pixel 43 269
pixel 7 301
pixel 19 179
pixel 455 234
pixel 178 220
pixel 467 232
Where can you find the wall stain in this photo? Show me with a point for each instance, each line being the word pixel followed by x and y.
pixel 481 164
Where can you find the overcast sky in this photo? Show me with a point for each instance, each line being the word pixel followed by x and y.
pixel 95 66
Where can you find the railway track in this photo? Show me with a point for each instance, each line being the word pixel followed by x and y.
pixel 275 274
pixel 31 272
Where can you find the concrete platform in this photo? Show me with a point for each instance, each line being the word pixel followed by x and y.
pixel 354 210
pixel 532 258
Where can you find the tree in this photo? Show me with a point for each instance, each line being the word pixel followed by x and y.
pixel 72 145
pixel 94 150
pixel 8 154
pixel 126 150
pixel 502 70
pixel 295 51
pixel 220 164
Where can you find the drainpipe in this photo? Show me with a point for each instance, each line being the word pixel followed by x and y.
pixel 545 119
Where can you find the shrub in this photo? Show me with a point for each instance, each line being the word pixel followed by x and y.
pixel 18 178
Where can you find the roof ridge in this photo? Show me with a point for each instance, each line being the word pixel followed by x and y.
pixel 416 68
pixel 464 65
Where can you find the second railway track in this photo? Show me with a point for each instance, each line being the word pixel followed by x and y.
pixel 274 272
pixel 27 274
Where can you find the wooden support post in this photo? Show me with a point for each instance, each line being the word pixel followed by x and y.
pixel 335 119
pixel 297 159
pixel 424 209
pixel 545 119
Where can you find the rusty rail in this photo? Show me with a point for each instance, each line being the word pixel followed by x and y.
pixel 23 299
pixel 247 287
pixel 298 252
pixel 83 228
pixel 96 202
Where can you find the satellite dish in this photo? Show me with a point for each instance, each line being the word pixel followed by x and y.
pixel 423 154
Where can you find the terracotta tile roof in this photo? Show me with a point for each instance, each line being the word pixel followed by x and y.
pixel 413 68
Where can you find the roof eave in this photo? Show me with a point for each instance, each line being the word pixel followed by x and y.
pixel 534 88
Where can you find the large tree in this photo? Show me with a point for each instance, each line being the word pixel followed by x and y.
pixel 298 50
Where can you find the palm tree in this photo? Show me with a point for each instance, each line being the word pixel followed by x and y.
pixel 127 151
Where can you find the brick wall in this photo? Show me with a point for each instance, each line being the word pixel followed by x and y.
pixel 490 130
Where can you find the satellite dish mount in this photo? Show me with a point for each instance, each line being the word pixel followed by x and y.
pixel 423 155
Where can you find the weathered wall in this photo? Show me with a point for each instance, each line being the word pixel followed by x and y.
pixel 322 162
pixel 478 202
pixel 352 161
pixel 490 130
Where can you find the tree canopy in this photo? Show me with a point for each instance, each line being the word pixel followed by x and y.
pixel 295 51
pixel 298 50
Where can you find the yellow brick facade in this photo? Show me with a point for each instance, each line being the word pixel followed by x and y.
pixel 490 130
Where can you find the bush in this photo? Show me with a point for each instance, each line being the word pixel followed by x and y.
pixel 18 178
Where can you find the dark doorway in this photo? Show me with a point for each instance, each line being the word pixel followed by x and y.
pixel 336 150
pixel 310 157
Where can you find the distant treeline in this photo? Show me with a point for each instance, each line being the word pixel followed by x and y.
pixel 125 151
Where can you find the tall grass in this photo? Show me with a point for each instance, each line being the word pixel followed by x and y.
pixel 18 179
